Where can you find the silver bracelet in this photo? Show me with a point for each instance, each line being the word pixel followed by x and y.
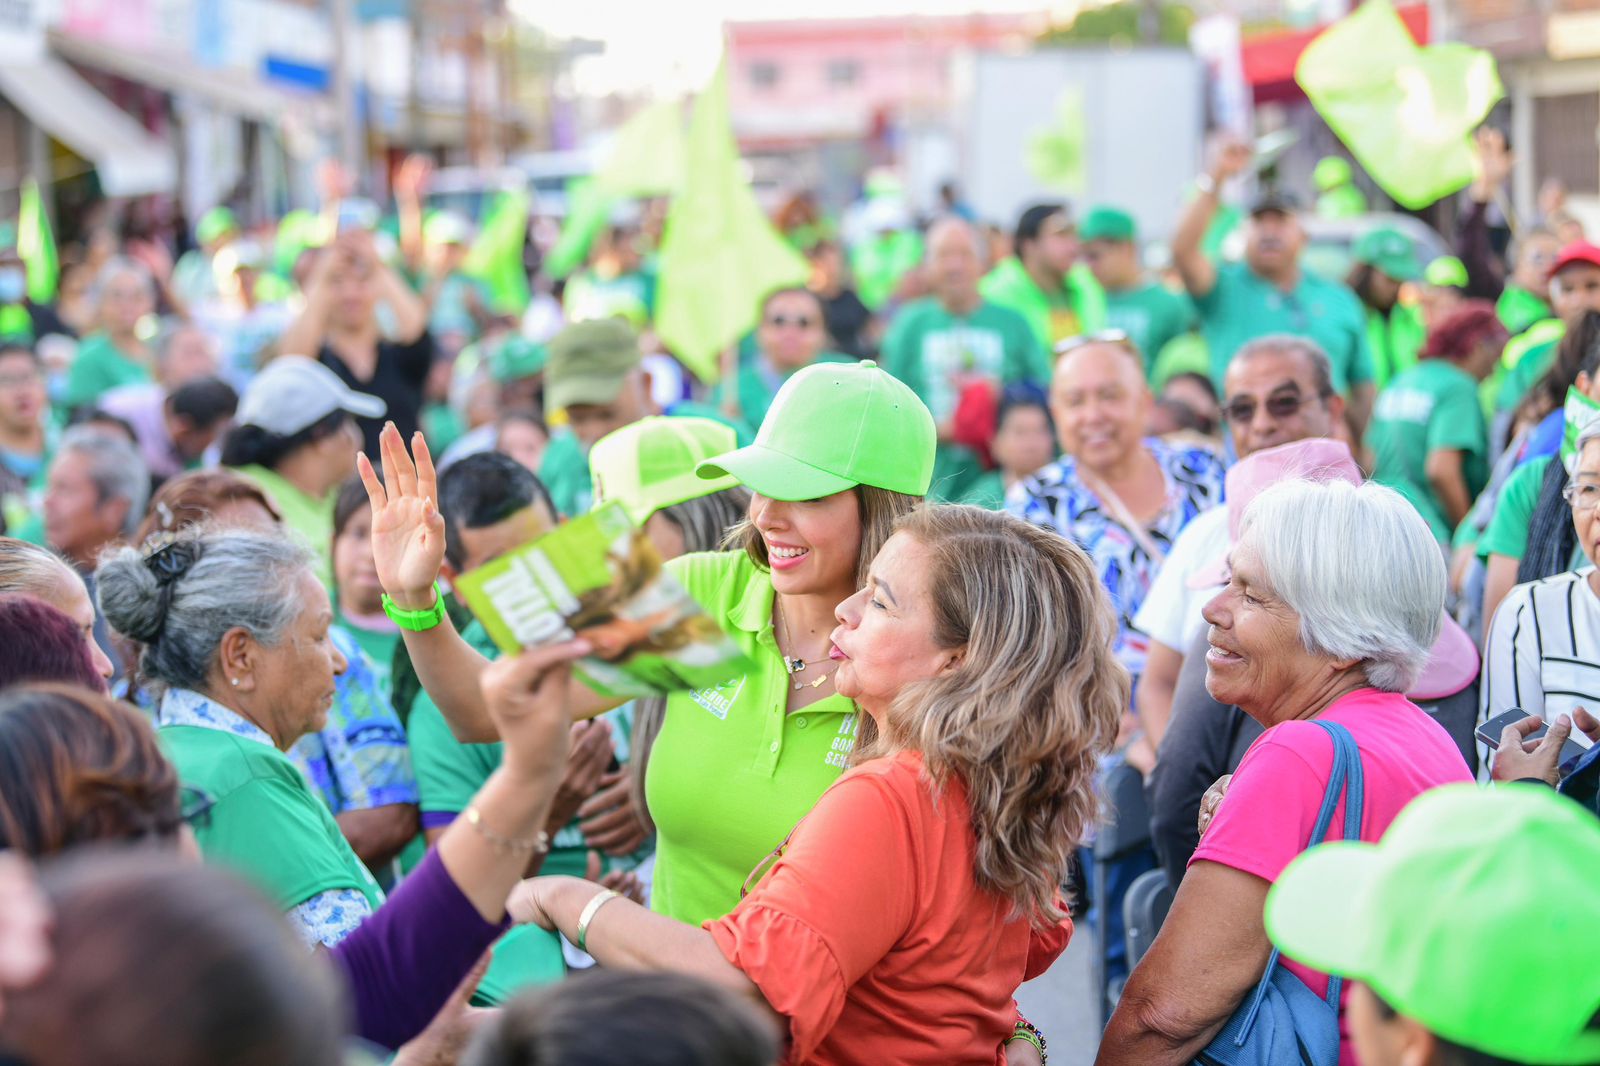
pixel 506 845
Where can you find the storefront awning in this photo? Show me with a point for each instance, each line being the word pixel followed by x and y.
pixel 236 92
pixel 1269 59
pixel 130 161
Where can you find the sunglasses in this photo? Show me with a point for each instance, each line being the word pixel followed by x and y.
pixel 1105 336
pixel 798 321
pixel 1243 412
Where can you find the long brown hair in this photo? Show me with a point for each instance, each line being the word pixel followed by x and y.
pixel 1034 703
pixel 78 767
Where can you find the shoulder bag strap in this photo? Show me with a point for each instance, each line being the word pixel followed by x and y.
pixel 1345 749
pixel 1343 756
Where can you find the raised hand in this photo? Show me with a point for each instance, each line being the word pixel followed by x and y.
pixel 407 529
pixel 529 700
pixel 1231 158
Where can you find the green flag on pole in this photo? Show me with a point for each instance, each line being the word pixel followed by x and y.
pixel 588 209
pixel 495 258
pixel 1406 113
pixel 36 243
pixel 719 254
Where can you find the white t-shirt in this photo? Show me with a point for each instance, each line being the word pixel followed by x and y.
pixel 1543 653
pixel 1171 609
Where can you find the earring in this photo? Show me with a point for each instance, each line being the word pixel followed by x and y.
pixel 234 681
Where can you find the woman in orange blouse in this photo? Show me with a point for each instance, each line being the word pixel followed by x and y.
pixel 901 915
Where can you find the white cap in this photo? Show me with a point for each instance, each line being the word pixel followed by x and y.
pixel 292 393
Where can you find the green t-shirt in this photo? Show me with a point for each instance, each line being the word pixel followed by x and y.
pixel 307 517
pixel 265 821
pixel 732 771
pixel 1394 341
pixel 1518 308
pixel 1527 358
pixel 98 367
pixel 757 383
pixel 938 355
pixel 1513 510
pixel 1431 407
pixel 1078 306
pixel 565 473
pixel 449 773
pixel 1151 315
pixel 987 491
pixel 1243 306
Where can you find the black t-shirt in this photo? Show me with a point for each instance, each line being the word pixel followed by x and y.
pixel 398 379
pixel 846 318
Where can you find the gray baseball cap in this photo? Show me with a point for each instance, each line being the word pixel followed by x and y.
pixel 293 392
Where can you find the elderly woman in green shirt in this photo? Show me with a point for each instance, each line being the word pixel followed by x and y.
pixel 123 294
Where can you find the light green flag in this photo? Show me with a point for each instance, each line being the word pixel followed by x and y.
pixel 495 257
pixel 1057 154
pixel 36 243
pixel 719 254
pixel 1406 113
pixel 647 155
pixel 588 209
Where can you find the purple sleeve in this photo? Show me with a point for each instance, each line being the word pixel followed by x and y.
pixel 404 961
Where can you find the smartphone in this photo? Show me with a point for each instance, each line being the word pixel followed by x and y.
pixel 1490 731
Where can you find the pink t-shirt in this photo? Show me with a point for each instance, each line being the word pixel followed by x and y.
pixel 1273 799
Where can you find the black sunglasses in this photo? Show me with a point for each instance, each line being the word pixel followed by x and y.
pixel 1243 412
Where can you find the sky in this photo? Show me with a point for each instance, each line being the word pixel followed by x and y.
pixel 671 49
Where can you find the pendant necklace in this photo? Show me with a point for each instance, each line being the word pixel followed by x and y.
pixel 793 666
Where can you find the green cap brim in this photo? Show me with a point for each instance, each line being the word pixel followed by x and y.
pixel 774 475
pixel 1314 910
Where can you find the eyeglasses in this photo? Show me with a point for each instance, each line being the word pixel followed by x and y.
pixel 195 806
pixel 1105 336
pixel 1582 497
pixel 763 868
pixel 1243 412
pixel 798 321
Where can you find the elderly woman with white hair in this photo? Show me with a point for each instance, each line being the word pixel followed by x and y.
pixel 1333 601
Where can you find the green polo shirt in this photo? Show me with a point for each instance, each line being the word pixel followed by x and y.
pixel 1152 316
pixel 1243 306
pixel 99 367
pixel 565 473
pixel 309 518
pixel 265 823
pixel 732 772
pixel 1431 407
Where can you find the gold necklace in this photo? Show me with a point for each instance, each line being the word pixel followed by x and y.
pixel 793 666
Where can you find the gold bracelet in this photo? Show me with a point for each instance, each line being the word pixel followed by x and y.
pixel 507 845
pixel 600 899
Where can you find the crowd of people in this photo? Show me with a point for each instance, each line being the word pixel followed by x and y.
pixel 1000 523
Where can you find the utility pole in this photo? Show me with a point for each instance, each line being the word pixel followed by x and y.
pixel 341 12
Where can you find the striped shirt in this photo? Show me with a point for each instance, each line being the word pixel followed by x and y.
pixel 1543 653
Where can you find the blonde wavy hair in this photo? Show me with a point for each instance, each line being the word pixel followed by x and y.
pixel 1034 703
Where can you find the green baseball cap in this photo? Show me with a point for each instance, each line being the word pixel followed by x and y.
pixel 516 358
pixel 1475 916
pixel 1446 272
pixel 588 362
pixel 1390 251
pixel 1107 224
pixel 215 223
pixel 831 427
pixel 1331 172
pixel 651 464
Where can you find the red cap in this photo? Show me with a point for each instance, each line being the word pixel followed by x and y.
pixel 1576 252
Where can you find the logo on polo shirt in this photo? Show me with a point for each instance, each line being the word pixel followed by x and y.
pixel 844 742
pixel 718 698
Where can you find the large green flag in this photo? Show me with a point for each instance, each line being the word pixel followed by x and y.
pixel 36 243
pixel 1406 113
pixel 495 257
pixel 646 157
pixel 719 254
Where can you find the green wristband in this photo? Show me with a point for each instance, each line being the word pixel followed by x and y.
pixel 416 621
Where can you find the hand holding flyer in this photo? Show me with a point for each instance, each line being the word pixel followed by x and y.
pixel 598 577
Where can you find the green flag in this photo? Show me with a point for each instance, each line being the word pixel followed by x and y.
pixel 495 257
pixel 588 209
pixel 647 155
pixel 719 254
pixel 1406 113
pixel 36 243
pixel 1056 152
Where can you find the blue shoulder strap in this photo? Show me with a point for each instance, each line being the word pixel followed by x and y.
pixel 1347 780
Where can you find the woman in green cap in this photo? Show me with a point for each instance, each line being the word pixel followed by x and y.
pixel 844 452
